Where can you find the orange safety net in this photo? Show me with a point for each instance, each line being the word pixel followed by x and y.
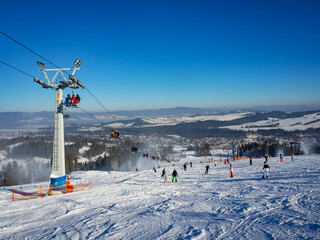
pixel 39 192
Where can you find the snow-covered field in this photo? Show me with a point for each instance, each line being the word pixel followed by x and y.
pixel 137 205
pixel 288 124
pixel 164 121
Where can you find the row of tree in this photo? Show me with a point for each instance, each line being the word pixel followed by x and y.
pixel 272 149
pixel 22 172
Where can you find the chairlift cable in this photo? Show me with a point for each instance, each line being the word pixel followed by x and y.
pixel 29 75
pixel 61 70
pixel 16 69
pixel 19 70
pixel 29 49
pixel 90 115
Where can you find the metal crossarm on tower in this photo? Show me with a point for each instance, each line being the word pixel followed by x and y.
pixel 58 175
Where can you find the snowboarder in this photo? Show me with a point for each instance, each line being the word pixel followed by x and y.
pixel 231 170
pixel 174 175
pixel 250 160
pixel 265 169
pixel 207 169
pixel 292 159
pixel 281 158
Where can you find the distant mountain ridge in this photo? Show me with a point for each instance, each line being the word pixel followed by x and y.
pixel 234 120
pixel 24 120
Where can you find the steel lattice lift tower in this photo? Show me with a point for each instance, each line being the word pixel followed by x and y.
pixel 58 175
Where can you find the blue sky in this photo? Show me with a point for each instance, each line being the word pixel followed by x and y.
pixel 163 54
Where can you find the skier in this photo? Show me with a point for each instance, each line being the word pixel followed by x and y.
pixel 191 164
pixel 68 100
pixel 154 169
pixel 250 160
pixel 265 169
pixel 117 134
pixel 231 170
pixel 165 176
pixel 185 167
pixel 292 159
pixel 73 99
pixel 134 149
pixel 281 158
pixel 207 169
pixel 174 175
pixel 215 163
pixel 76 100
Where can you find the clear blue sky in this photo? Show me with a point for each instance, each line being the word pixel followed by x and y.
pixel 161 54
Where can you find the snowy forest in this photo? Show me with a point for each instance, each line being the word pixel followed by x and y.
pixel 106 155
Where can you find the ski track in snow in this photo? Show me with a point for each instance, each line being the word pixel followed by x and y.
pixel 137 205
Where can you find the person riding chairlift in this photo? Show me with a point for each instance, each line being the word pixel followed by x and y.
pixel 73 99
pixel 77 100
pixel 68 100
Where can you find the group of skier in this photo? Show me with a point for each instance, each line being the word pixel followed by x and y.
pixel 115 134
pixel 165 175
pixel 265 169
pixel 72 101
pixel 292 157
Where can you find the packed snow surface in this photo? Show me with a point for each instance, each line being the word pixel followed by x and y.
pixel 138 205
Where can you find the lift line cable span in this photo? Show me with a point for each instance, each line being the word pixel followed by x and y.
pixel 17 69
pixel 29 75
pixel 116 120
pixel 29 49
pixel 91 115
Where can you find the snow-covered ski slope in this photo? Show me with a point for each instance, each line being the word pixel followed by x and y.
pixel 137 205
